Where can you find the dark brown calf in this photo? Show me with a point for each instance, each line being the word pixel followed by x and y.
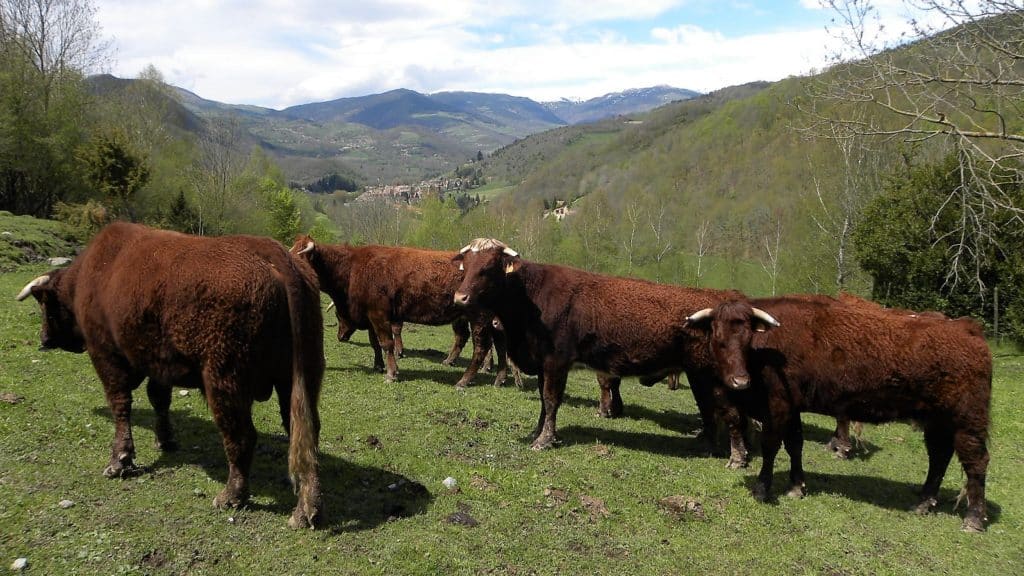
pixel 375 287
pixel 857 362
pixel 236 317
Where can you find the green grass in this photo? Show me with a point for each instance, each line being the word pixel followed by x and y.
pixel 24 239
pixel 590 506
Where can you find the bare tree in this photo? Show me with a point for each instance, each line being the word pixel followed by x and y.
pixel 633 212
pixel 959 83
pixel 841 203
pixel 770 259
pixel 218 165
pixel 662 244
pixel 703 247
pixel 57 37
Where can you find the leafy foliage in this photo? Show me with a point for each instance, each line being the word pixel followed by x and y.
pixel 908 233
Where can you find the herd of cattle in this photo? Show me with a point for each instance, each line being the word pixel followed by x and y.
pixel 239 317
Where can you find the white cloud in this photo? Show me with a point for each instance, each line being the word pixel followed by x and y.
pixel 283 52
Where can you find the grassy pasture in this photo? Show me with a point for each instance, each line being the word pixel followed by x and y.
pixel 590 506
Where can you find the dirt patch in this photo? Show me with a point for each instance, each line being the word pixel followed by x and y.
pixel 682 508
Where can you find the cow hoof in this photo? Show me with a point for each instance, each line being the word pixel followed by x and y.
pixel 736 463
pixel 759 492
pixel 499 380
pixel 167 445
pixel 390 378
pixel 926 506
pixel 305 519
pixel 839 449
pixel 230 499
pixel 122 469
pixel 973 524
pixel 544 442
pixel 448 362
pixel 795 492
pixel 461 384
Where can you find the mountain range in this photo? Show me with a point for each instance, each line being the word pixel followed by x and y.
pixel 403 135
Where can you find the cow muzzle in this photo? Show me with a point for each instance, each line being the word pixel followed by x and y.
pixel 461 299
pixel 739 382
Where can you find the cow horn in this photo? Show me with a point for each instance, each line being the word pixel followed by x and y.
pixel 329 306
pixel 698 316
pixel 28 287
pixel 510 252
pixel 465 249
pixel 766 317
pixel 308 248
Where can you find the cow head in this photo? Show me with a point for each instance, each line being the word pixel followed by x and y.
pixel 303 244
pixel 732 325
pixel 60 328
pixel 485 263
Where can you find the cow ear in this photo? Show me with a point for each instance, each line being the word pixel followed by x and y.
pixel 459 259
pixel 512 264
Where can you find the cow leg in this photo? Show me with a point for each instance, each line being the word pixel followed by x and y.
pixel 794 442
pixel 770 444
pixel 481 344
pixel 552 391
pixel 973 454
pixel 381 325
pixel 284 403
pixel 736 422
pixel 378 356
pixel 232 412
pixel 118 383
pixel 938 439
pixel 160 397
pixel 704 394
pixel 840 443
pixel 396 332
pixel 611 400
pixel 501 352
pixel 673 381
pixel 462 331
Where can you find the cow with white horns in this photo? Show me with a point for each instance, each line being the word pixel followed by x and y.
pixel 554 316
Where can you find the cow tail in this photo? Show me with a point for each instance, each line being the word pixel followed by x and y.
pixel 307 374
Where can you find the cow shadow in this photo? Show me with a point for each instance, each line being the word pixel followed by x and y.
pixel 661 444
pixel 881 492
pixel 356 497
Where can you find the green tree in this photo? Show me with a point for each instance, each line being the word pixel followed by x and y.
pixel 46 49
pixel 908 233
pixel 113 170
pixel 286 218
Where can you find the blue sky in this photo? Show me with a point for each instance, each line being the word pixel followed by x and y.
pixel 278 53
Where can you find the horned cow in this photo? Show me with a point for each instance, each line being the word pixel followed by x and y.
pixel 236 317
pixel 375 287
pixel 856 361
pixel 554 316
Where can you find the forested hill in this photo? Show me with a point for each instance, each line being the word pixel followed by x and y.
pixel 725 174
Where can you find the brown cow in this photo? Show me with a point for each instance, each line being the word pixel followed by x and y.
pixel 840 443
pixel 867 364
pixel 375 287
pixel 236 317
pixel 555 315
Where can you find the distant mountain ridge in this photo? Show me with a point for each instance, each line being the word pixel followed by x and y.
pixel 399 136
pixel 618 103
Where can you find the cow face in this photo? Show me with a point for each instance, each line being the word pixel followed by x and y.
pixel 732 326
pixel 485 263
pixel 59 329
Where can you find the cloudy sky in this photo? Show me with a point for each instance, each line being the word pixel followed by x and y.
pixel 277 53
